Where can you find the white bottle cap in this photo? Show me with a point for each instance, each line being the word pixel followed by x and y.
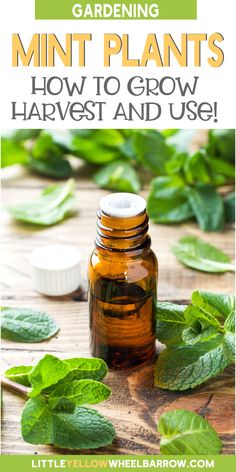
pixel 56 269
pixel 122 205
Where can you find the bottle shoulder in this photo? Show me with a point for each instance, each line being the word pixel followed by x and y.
pixel 106 260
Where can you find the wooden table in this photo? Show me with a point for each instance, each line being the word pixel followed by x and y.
pixel 136 404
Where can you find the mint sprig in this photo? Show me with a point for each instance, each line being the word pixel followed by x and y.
pixel 200 340
pixel 56 413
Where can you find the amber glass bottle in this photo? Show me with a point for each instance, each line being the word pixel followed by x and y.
pixel 122 283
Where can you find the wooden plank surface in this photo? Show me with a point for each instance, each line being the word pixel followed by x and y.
pixel 135 404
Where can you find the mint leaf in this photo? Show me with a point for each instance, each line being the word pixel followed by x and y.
pixel 119 176
pixel 196 168
pixel 221 144
pixel 184 367
pixel 55 418
pixel 19 374
pixel 218 305
pixel 72 369
pixel 12 153
pixel 47 372
pixel 47 157
pixel 25 325
pixel 81 368
pixel 192 168
pixel 223 168
pixel 167 201
pixel 18 135
pixel 45 147
pixel 152 150
pixel 36 422
pixel 207 206
pixel 83 429
pixel 55 203
pixel 229 206
pixel 204 345
pixel 62 405
pixel 230 322
pixel 229 340
pixel 80 392
pixel 229 346
pixel 97 146
pixel 170 323
pixel 202 256
pixel 185 432
pixel 202 325
pixel 194 313
pixel 52 166
pixel 193 336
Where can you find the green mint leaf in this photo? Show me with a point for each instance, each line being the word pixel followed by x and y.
pixel 170 323
pixel 229 206
pixel 80 392
pixel 207 206
pixel 119 176
pixel 97 146
pixel 176 164
pixel 36 422
pixel 62 404
pixel 18 135
pixel 63 138
pixel 167 201
pixel 19 374
pixel 203 318
pixel 45 147
pixel 55 203
pixel 185 432
pixel 196 168
pixel 190 336
pixel 202 256
pixel 184 367
pixel 222 168
pixel 48 157
pixel 83 429
pixel 230 322
pixel 81 368
pixel 52 166
pixel 152 150
pixel 221 144
pixel 202 325
pixel 167 133
pixel 229 340
pixel 12 153
pixel 218 305
pixel 191 167
pixel 47 372
pixel 229 346
pixel 26 326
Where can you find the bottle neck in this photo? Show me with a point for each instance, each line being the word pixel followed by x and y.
pixel 122 234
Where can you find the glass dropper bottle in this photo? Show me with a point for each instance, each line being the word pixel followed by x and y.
pixel 122 283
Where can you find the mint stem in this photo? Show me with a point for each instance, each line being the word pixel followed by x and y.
pixel 15 387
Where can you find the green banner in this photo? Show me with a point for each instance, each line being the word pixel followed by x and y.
pixel 134 463
pixel 116 10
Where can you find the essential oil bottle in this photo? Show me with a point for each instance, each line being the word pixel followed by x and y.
pixel 122 283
